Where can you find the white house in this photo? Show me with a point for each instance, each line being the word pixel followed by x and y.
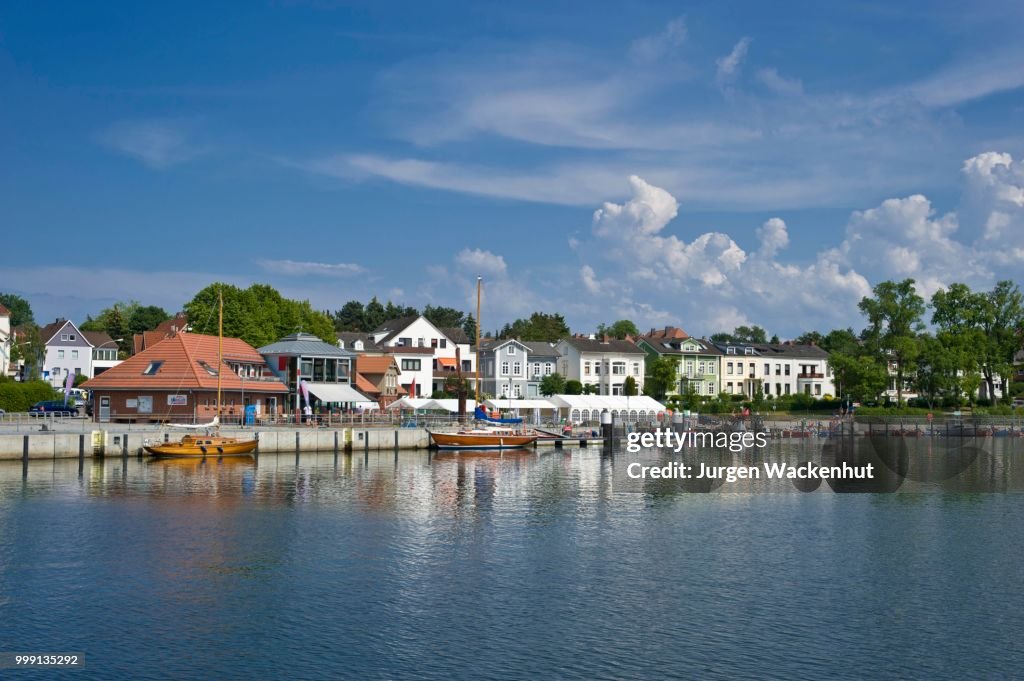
pixel 775 369
pixel 603 363
pixel 426 354
pixel 69 350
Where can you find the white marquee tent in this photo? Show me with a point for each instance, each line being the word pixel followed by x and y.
pixel 588 408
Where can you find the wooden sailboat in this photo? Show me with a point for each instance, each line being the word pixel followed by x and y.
pixel 200 446
pixel 484 436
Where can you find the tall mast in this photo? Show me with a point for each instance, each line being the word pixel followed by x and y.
pixel 220 346
pixel 476 381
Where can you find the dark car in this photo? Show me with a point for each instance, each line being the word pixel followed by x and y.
pixel 53 407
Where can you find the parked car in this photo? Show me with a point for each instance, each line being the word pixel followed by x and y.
pixel 53 407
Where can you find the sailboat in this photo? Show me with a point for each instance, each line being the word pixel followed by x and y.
pixel 509 435
pixel 199 446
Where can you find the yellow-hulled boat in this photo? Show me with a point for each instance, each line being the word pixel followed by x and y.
pixel 198 446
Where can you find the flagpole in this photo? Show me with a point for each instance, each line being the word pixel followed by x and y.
pixel 476 380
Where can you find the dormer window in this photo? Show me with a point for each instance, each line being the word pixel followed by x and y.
pixel 358 345
pixel 153 368
pixel 748 351
pixel 730 350
pixel 209 369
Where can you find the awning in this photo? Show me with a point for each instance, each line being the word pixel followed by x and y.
pixel 337 392
pixel 447 362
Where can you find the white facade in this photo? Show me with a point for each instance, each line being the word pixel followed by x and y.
pixel 426 344
pixel 776 370
pixel 67 352
pixel 604 364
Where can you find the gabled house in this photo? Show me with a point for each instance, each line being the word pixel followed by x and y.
pixel 697 366
pixel 603 363
pixel 423 350
pixel 68 351
pixel 104 351
pixel 377 378
pixel 176 380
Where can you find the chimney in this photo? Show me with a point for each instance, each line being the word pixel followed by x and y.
pixel 652 332
pixel 604 339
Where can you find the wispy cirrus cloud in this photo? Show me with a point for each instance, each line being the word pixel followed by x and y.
pixel 156 143
pixel 306 268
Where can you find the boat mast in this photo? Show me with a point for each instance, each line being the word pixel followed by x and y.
pixel 476 380
pixel 220 347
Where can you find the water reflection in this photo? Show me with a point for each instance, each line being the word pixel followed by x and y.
pixel 456 482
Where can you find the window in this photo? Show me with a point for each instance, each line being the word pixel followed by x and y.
pixel 74 354
pixel 767 388
pixel 516 369
pixel 504 368
pixel 730 350
pixel 153 368
pixel 548 368
pixel 511 350
pixel 421 344
pixel 787 388
pixel 767 369
pixel 410 365
pixel 619 368
pixel 64 337
pixel 60 354
pixel 358 345
pixel 817 389
pixel 536 368
pixel 748 351
pixel 739 368
pixel 787 370
pixel 636 368
pixel 586 368
pixel 405 342
pixel 209 369
pixel 728 387
pixel 444 342
pixel 517 391
pixel 433 342
pixel 711 388
pixel 778 388
pixel 78 372
pixel 597 368
pixel 728 368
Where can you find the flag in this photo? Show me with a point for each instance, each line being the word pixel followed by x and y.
pixel 412 387
pixel 68 385
pixel 304 391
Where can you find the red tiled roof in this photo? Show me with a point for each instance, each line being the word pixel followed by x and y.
pixel 365 386
pixel 4 312
pixel 367 364
pixel 181 368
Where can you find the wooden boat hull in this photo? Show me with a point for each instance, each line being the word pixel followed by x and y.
pixel 200 447
pixel 481 440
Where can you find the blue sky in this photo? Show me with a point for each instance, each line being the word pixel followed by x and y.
pixel 693 164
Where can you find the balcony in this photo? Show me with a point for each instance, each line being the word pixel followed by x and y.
pixel 809 375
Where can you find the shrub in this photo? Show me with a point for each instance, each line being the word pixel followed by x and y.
pixel 16 397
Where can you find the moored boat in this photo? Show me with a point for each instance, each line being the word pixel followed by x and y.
pixel 484 438
pixel 198 446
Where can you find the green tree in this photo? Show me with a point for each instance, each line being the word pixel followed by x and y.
pixel 810 338
pixel 573 387
pixel 619 329
pixel 444 317
pixel 750 334
pixel 858 377
pixel 842 340
pixel 374 315
pixel 662 374
pixel 629 387
pixel 146 318
pixel 552 384
pixel 894 322
pixel 469 326
pixel 393 311
pixel 28 348
pixel 21 311
pixel 539 327
pixel 259 315
pixel 350 317
pixel 590 389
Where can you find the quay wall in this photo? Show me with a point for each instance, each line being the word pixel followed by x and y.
pixel 49 445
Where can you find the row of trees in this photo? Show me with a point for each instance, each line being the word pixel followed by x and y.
pixel 123 320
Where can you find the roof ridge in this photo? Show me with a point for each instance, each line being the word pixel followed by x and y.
pixel 191 361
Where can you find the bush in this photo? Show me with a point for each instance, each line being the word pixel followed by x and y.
pixel 17 397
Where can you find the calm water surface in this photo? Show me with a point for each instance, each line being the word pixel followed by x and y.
pixel 525 565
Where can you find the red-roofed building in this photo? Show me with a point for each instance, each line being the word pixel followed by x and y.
pixel 377 378
pixel 176 380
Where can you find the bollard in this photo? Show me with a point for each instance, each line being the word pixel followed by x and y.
pixel 296 442
pixel 366 442
pixel 24 449
pixel 607 428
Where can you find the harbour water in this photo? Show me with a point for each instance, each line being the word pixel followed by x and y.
pixel 534 564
